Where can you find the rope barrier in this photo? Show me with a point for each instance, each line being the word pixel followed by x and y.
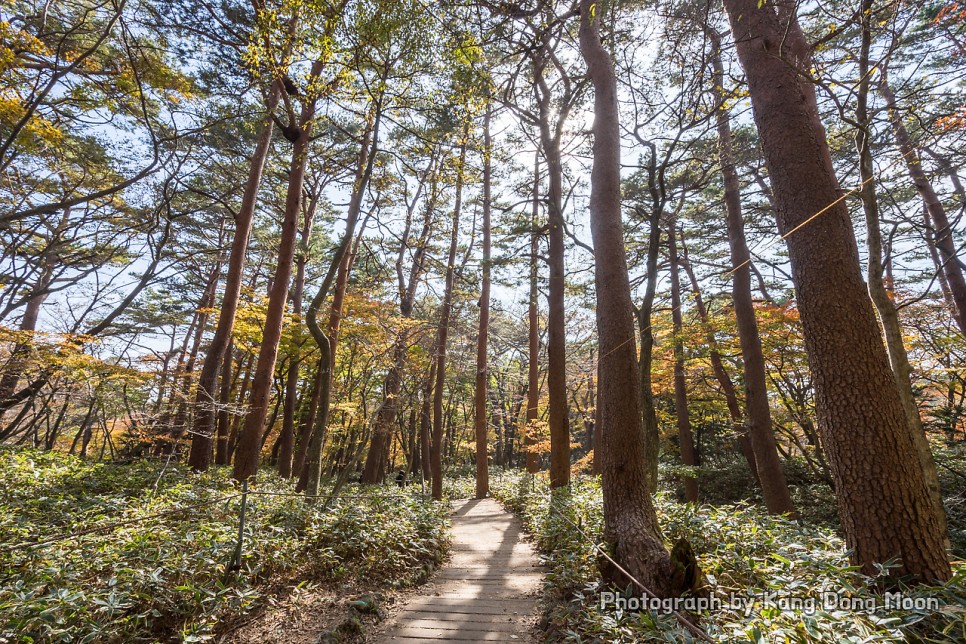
pixel 688 624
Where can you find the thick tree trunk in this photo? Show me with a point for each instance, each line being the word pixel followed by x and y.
pixel 685 434
pixel 774 487
pixel 482 373
pixel 199 457
pixel 884 503
pixel 630 523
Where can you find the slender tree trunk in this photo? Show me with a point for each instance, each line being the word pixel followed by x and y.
pixel 482 372
pixel 888 314
pixel 533 332
pixel 199 457
pixel 630 522
pixel 884 503
pixel 426 423
pixel 774 487
pixel 224 417
pixel 442 334
pixel 250 438
pixel 685 435
pixel 327 344
pixel 718 368
pixel 287 438
pixel 943 233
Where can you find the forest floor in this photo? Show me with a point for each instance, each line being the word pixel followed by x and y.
pixel 486 591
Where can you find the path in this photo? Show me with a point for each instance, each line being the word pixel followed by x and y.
pixel 486 592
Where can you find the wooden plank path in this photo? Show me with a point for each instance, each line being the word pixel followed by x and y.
pixel 487 591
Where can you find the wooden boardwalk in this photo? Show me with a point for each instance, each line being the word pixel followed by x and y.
pixel 486 592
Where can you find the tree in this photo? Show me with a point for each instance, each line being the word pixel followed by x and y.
pixel 883 500
pixel 630 523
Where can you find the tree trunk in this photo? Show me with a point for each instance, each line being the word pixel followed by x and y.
pixel 250 438
pixel 287 438
pixel 442 334
pixel 199 457
pixel 533 333
pixel 630 523
pixel 685 435
pixel 943 233
pixel 884 503
pixel 482 372
pixel 774 487
pixel 224 417
pixel 718 368
pixel 888 314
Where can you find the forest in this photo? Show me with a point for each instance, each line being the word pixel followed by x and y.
pixel 301 300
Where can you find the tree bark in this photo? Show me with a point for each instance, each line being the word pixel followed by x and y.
pixel 482 372
pixel 199 458
pixel 630 522
pixel 884 504
pixel 685 434
pixel 774 487
pixel 250 438
pixel 888 314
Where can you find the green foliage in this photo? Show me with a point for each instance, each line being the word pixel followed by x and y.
pixel 742 551
pixel 156 578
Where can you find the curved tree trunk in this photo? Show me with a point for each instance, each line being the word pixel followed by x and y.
pixel 943 231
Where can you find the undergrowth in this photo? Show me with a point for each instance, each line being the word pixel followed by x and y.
pixel 742 551
pixel 165 578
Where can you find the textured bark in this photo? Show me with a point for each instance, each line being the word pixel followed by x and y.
pixel 883 501
pixel 482 372
pixel 685 434
pixel 943 231
pixel 888 314
pixel 630 523
pixel 286 443
pixel 774 487
pixel 250 437
pixel 199 457
pixel 442 333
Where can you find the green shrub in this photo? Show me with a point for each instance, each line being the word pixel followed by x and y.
pixel 163 577
pixel 742 551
